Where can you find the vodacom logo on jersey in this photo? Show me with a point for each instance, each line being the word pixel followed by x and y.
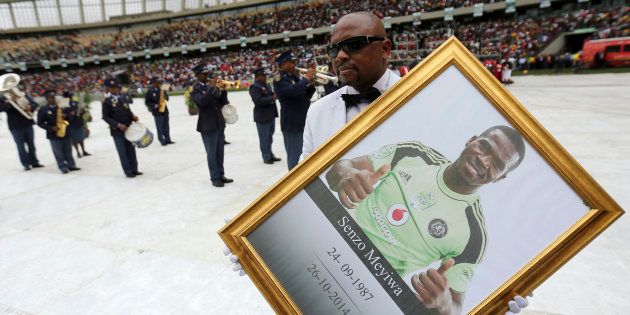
pixel 397 214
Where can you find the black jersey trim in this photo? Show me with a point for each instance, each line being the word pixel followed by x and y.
pixel 473 252
pixel 417 149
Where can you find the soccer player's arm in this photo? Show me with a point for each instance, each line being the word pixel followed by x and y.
pixel 354 179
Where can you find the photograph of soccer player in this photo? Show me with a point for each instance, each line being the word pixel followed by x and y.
pixel 418 207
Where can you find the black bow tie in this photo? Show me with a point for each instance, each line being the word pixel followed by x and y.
pixel 356 99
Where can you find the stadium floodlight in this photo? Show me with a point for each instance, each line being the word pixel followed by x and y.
pixel 202 46
pixel 387 22
pixel 417 18
pixel 112 59
pixel 147 53
pixel 223 45
pixel 448 14
pixel 129 56
pixel 46 64
pixel 243 41
pixel 264 38
pixel 184 49
pixel 285 34
pixel 478 9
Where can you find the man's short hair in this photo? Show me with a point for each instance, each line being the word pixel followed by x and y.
pixel 515 138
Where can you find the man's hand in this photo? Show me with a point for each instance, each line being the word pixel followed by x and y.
pixel 233 259
pixel 135 118
pixel 354 184
pixel 121 127
pixel 518 304
pixel 310 74
pixel 432 288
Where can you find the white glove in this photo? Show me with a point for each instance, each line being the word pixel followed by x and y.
pixel 235 265
pixel 518 304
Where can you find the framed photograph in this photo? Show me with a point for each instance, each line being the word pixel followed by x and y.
pixel 444 193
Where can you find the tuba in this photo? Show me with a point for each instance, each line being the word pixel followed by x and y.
pixel 15 97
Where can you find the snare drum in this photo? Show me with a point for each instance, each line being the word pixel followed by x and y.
pixel 139 135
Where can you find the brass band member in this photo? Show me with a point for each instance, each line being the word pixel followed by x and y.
pixel 54 121
pixel 77 127
pixel 155 100
pixel 21 129
pixel 211 124
pixel 118 115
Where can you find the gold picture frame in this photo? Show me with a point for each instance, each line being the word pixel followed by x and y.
pixel 601 211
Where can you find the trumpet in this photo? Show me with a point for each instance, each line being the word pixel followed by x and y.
pixel 321 75
pixel 227 84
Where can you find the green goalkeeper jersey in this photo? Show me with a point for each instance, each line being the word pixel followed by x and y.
pixel 414 219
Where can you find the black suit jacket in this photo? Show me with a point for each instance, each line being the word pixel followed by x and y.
pixel 265 109
pixel 209 101
pixel 116 111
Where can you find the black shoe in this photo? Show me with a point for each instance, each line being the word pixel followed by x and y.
pixel 79 155
pixel 130 175
pixel 72 169
pixel 65 170
pixel 27 168
pixel 171 142
pixel 268 162
pixel 226 180
pixel 217 183
pixel 137 173
pixel 226 142
pixel 37 165
pixel 164 144
pixel 86 154
pixel 275 158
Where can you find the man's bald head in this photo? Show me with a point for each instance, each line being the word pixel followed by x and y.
pixel 366 21
pixel 363 66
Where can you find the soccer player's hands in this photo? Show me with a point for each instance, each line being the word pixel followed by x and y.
pixel 354 184
pixel 518 304
pixel 236 266
pixel 432 287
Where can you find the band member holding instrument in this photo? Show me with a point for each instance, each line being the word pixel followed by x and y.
pixel 77 125
pixel 265 113
pixel 21 129
pixel 118 115
pixel 211 124
pixel 155 100
pixel 52 118
pixel 294 94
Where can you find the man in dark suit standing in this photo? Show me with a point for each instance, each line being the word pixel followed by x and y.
pixel 294 94
pixel 22 131
pixel 210 123
pixel 118 115
pixel 52 119
pixel 265 113
pixel 153 100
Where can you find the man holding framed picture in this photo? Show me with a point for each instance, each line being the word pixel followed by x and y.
pixel 359 50
pixel 425 208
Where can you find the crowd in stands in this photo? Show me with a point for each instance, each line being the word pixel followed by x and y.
pixel 516 41
pixel 194 31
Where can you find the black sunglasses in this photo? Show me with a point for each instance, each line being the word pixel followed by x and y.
pixel 351 45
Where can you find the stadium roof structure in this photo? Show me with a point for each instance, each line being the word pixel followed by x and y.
pixel 24 16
